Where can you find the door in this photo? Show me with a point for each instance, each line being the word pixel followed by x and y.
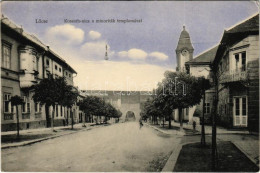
pixel 240 111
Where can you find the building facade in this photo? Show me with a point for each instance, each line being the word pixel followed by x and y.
pixel 237 64
pixel 200 66
pixel 25 61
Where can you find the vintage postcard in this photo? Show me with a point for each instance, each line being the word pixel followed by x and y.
pixel 130 86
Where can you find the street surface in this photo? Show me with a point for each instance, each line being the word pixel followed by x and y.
pixel 116 148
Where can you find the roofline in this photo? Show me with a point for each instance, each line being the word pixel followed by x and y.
pixel 227 29
pixel 202 63
pixel 206 51
pixel 43 46
pixel 198 63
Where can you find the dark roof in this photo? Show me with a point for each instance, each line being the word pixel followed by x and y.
pixel 206 57
pixel 248 25
pixel 184 41
pixel 237 33
pixel 33 39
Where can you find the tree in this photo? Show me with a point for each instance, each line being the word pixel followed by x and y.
pixel 69 98
pixel 52 92
pixel 151 109
pixel 82 108
pixel 110 111
pixel 93 105
pixel 215 75
pixel 204 86
pixel 163 110
pixel 119 114
pixel 178 90
pixel 15 101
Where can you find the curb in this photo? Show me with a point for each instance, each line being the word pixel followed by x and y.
pixel 170 164
pixel 43 139
pixel 245 153
pixel 171 134
pixel 37 140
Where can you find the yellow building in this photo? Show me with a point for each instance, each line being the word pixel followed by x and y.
pixel 25 61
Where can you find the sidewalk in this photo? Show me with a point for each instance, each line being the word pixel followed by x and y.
pixel 30 136
pixel 208 129
pixel 243 140
pixel 165 130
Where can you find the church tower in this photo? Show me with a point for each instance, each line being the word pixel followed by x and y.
pixel 184 50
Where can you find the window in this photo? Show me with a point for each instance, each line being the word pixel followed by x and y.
pixel 6 56
pixel 69 75
pixel 26 106
pixel 37 107
pixel 237 106
pixel 35 63
pixel 244 106
pixel 207 108
pixel 56 110
pixel 237 60
pixel 56 67
pixel 23 107
pixel 7 103
pixel 187 111
pixel 59 69
pixel 47 62
pixel 61 113
pixel 243 61
pixel 240 61
pixel 66 73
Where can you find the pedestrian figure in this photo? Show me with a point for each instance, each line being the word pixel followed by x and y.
pixel 194 125
pixel 64 122
pixel 141 123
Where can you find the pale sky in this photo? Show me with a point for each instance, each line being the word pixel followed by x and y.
pixel 139 53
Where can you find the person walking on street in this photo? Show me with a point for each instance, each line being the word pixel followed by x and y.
pixel 141 123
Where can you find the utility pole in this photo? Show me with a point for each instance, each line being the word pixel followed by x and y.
pixel 203 141
pixel 214 115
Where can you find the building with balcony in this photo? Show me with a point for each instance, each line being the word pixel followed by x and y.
pixel 237 64
pixel 25 61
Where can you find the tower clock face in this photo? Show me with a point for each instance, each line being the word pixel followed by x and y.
pixel 184 52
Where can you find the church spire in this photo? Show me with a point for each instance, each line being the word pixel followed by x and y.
pixel 184 50
pixel 184 40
